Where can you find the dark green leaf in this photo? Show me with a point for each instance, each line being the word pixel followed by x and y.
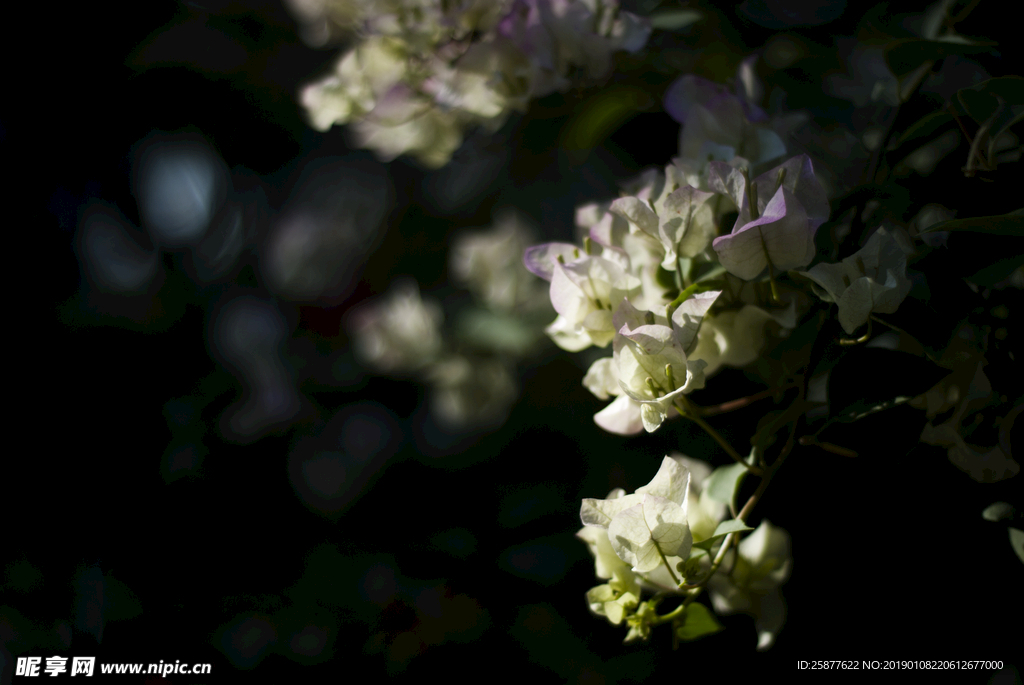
pixel 997 271
pixel 981 106
pixel 923 128
pixel 767 428
pixel 1004 224
pixel 906 55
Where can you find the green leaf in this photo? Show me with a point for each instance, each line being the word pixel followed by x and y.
pixel 1017 542
pixel 724 481
pixel 723 529
pixel 981 106
pixel 997 271
pixel 905 55
pixel 998 102
pixel 924 127
pixel 697 622
pixel 1001 224
pixel 673 20
pixel 1010 89
pixel 767 428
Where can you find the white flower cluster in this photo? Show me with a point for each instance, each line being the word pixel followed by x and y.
pixel 647 257
pixel 638 539
pixel 656 280
pixel 472 383
pixel 401 334
pixel 422 71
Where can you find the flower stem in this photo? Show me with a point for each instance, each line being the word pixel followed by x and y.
pixel 741 402
pixel 664 560
pixel 691 412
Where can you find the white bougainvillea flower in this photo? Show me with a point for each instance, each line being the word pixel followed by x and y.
pixel 687 224
pixel 703 513
pixel 874 279
pixel 780 236
pixel 763 564
pixel 687 318
pixel 625 415
pixel 796 173
pixel 466 63
pixel 653 370
pixel 670 213
pixel 585 293
pixel 362 76
pixel 606 561
pixel 560 34
pixel 541 260
pixel 650 525
pixel 646 534
pixel 717 123
pixel 405 122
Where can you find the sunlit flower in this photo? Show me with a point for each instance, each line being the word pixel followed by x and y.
pixel 650 525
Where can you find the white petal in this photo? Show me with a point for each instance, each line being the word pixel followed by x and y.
pixel 670 482
pixel 621 417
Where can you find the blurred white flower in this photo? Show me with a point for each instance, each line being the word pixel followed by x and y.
pixel 423 71
pixel 398 332
pixel 469 392
pixel 490 264
pixel 751 584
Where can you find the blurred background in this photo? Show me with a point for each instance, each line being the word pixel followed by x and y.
pixel 209 472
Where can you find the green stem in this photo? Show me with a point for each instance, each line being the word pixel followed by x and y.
pixel 693 413
pixel 670 616
pixel 664 560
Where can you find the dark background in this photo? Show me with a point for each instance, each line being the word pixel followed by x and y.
pixel 441 547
